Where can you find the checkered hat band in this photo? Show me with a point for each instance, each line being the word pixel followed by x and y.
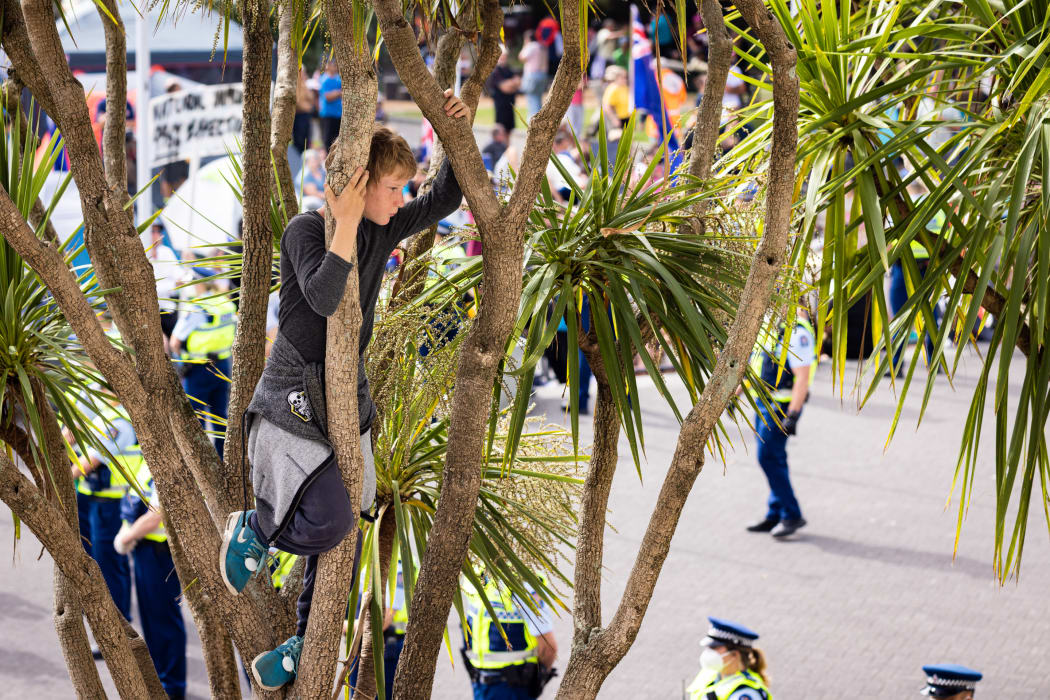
pixel 952 682
pixel 715 633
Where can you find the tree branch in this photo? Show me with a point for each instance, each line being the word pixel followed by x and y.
pixel 544 124
pixel 484 346
pixel 335 567
pixel 284 100
pixel 249 346
pixel 709 114
pixel 50 527
pixel 590 665
pixel 456 134
pixel 114 155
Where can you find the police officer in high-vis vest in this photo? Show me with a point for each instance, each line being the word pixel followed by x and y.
pixel 789 388
pixel 950 681
pixel 202 342
pixel 731 666
pixel 156 583
pixel 100 486
pixel 498 671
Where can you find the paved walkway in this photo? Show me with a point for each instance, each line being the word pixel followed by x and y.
pixel 852 608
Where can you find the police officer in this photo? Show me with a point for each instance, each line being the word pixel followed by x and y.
pixel 498 671
pixel 774 423
pixel 203 341
pixel 731 666
pixel 100 486
pixel 950 681
pixel 156 584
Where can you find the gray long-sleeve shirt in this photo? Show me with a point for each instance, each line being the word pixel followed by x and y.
pixel 313 280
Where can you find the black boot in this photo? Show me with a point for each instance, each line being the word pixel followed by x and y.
pixel 788 527
pixel 763 525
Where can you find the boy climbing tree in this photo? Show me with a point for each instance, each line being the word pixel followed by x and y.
pixel 301 504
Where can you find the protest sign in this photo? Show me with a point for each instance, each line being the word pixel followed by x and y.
pixel 205 121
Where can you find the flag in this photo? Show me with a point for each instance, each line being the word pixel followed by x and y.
pixel 645 90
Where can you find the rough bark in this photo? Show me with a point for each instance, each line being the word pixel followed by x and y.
pixel 48 525
pixel 73 639
pixel 590 542
pixel 284 110
pixel 591 663
pixel 413 270
pixel 216 648
pixel 360 90
pixel 366 676
pixel 709 114
pixel 249 346
pixel 485 344
pixel 68 613
pixel 114 155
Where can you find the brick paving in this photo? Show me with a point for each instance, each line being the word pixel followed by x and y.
pixel 852 608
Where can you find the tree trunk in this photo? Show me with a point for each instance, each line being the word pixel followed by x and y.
pixel 49 527
pixel 61 493
pixel 590 664
pixel 335 567
pixel 72 637
pixel 709 117
pixel 249 347
pixel 366 676
pixel 216 647
pixel 587 588
pixel 114 154
pixel 284 103
pixel 486 342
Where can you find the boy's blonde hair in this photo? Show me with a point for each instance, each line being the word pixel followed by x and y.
pixel 389 154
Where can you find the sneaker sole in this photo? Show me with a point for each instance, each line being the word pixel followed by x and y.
pixel 255 675
pixel 227 537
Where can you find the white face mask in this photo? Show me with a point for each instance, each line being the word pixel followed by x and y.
pixel 711 660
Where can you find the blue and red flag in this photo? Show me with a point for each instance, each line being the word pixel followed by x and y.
pixel 645 90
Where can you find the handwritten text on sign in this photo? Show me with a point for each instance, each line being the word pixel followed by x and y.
pixel 204 121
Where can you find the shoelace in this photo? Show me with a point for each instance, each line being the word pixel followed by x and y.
pixel 292 649
pixel 257 551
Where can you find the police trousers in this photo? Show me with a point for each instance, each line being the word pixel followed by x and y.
pixel 157 590
pixel 99 523
pixel 772 457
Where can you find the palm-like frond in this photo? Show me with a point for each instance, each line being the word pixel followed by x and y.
pixel 873 84
pixel 38 345
pixel 526 514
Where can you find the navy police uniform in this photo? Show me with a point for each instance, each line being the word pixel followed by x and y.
pixel 771 423
pixel 158 590
pixel 710 684
pixel 949 680
pixel 98 501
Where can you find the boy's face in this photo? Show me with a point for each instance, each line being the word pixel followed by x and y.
pixel 384 198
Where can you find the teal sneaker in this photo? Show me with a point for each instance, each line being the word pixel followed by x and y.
pixel 272 669
pixel 242 554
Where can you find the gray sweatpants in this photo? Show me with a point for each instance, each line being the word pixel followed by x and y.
pixel 321 520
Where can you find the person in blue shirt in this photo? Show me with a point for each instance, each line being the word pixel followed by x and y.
pixel 330 105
